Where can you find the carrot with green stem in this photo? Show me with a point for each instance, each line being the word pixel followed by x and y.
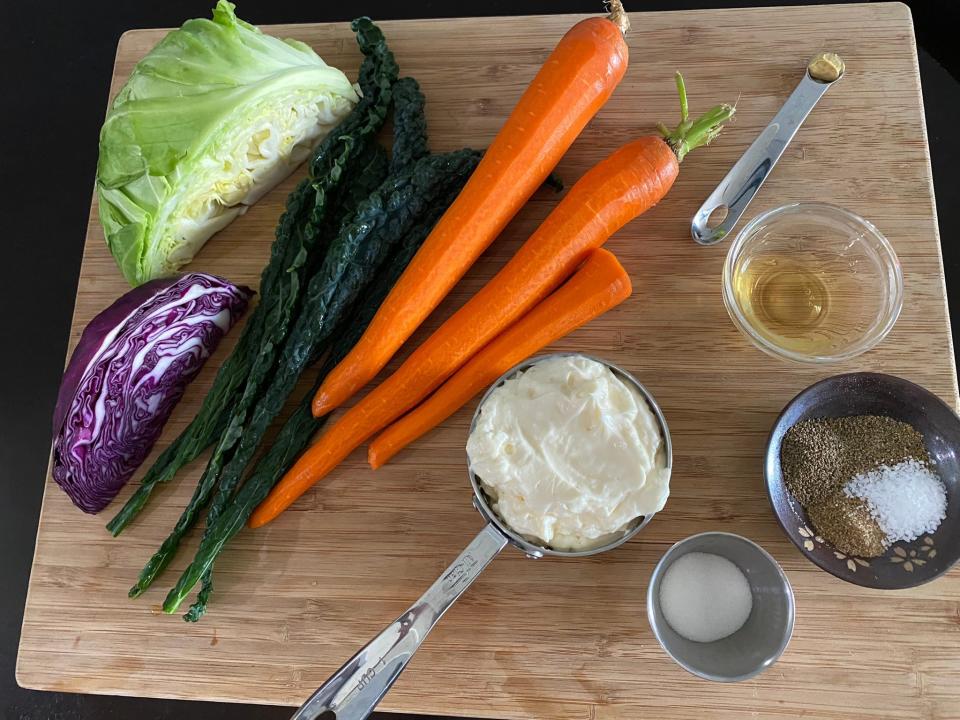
pixel 618 189
pixel 599 284
pixel 572 85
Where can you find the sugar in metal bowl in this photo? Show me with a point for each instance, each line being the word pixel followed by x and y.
pixel 764 636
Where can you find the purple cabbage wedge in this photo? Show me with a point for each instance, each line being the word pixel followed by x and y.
pixel 130 368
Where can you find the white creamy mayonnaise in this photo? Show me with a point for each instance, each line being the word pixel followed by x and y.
pixel 569 454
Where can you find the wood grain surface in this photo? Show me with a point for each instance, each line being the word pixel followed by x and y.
pixel 553 638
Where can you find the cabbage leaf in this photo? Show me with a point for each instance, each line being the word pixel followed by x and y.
pixel 212 118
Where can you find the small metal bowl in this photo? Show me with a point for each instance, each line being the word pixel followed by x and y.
pixel 762 639
pixel 904 564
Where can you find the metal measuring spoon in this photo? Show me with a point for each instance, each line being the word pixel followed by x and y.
pixel 737 189
pixel 355 689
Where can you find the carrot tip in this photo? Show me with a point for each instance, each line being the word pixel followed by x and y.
pixel 618 15
pixel 319 407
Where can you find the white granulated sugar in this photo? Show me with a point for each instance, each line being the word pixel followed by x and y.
pixel 705 597
pixel 907 499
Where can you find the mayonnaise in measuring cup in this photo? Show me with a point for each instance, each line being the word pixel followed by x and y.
pixel 569 454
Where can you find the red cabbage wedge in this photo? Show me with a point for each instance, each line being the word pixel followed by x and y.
pixel 130 368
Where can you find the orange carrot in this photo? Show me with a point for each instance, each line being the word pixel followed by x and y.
pixel 598 285
pixel 627 183
pixel 575 81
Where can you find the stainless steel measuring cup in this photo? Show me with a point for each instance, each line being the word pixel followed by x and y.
pixel 355 689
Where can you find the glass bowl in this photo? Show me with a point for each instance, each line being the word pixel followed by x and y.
pixel 812 282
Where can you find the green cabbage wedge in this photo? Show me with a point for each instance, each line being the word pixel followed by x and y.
pixel 211 119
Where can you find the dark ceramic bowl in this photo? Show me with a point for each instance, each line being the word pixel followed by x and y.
pixel 904 564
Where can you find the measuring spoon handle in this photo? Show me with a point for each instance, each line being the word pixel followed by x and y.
pixel 354 690
pixel 737 189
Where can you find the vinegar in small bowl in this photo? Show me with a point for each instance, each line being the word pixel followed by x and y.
pixel 812 282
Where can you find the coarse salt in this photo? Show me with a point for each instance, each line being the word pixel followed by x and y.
pixel 907 499
pixel 705 597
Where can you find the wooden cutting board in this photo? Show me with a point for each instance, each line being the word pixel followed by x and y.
pixel 550 638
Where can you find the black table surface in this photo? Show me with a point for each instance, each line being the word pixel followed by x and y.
pixel 58 59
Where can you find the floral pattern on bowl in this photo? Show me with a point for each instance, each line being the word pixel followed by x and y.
pixel 914 557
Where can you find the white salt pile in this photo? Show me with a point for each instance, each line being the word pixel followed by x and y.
pixel 907 499
pixel 705 597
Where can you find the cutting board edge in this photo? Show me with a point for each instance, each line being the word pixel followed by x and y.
pixel 19 671
pixel 22 676
pixel 276 28
pixel 953 401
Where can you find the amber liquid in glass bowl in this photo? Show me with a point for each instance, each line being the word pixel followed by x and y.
pixel 812 282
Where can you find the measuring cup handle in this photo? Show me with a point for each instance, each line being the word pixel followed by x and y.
pixel 354 690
